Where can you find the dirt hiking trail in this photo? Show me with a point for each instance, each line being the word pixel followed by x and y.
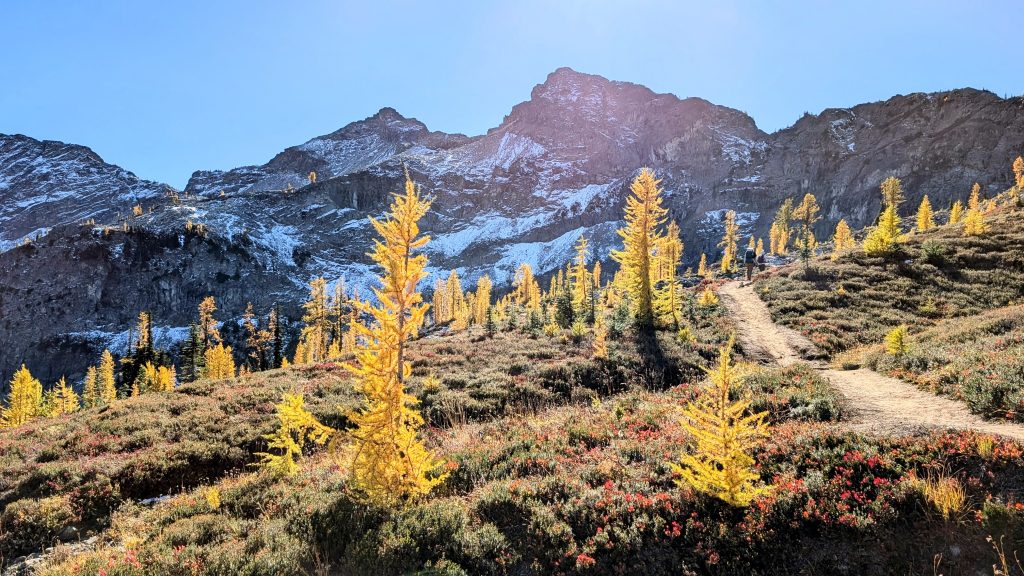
pixel 874 403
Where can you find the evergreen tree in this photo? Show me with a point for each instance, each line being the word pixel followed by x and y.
pixel 490 326
pixel 107 382
pixel 192 355
pixel 842 240
pixel 925 215
pixel 24 401
pixel 277 340
pixel 729 242
pixel 721 464
pixel 644 218
pixel 390 464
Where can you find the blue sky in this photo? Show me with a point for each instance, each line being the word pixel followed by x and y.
pixel 165 88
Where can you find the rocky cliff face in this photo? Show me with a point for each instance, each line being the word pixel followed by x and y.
pixel 556 167
pixel 45 183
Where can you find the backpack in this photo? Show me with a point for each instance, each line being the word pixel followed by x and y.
pixel 749 256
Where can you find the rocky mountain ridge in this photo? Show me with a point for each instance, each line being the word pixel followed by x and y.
pixel 556 167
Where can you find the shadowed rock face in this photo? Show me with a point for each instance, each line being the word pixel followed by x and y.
pixel 557 166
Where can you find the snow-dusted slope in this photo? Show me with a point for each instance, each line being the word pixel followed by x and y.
pixel 46 183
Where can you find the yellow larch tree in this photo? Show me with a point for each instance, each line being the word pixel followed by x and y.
pixel 600 347
pixel 317 322
pixel 482 299
pixel 644 218
pixel 440 302
pixel 526 289
pixel 65 400
pixel 778 237
pixel 390 464
pixel 207 325
pixel 974 220
pixel 729 246
pixel 107 382
pixel 1018 172
pixel 925 215
pixel 724 437
pixel 708 297
pixel 892 191
pixel 580 278
pixel 220 362
pixel 296 428
pixel 842 240
pixel 24 401
pixel 956 213
pixel 90 389
pixel 668 302
pixel 702 267
pixel 884 237
pixel 806 215
pixel 760 246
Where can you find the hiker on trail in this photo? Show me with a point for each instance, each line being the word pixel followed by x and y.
pixel 749 259
pixel 761 263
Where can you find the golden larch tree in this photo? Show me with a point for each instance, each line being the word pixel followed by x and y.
pixel 317 321
pixel 730 237
pixel 390 464
pixel 24 401
pixel 296 428
pixel 956 212
pixel 482 299
pixel 1018 173
pixel 806 215
pixel 207 325
pixel 842 240
pixel 780 231
pixel 65 400
pixel 580 278
pixel 724 437
pixel 90 389
pixel 884 237
pixel 220 362
pixel 702 267
pixel 668 301
pixel 925 215
pixel 974 220
pixel 108 384
pixel 644 218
